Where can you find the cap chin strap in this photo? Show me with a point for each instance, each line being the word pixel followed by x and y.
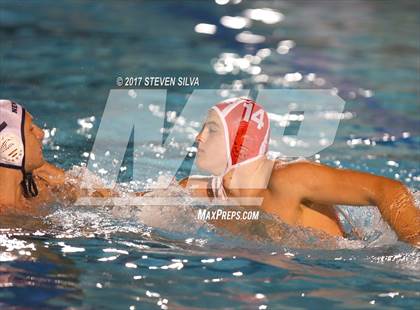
pixel 29 186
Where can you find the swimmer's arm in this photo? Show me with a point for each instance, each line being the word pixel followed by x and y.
pixel 196 185
pixel 191 184
pixel 52 178
pixel 51 174
pixel 320 183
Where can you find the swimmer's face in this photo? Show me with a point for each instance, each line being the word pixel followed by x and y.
pixel 211 154
pixel 33 144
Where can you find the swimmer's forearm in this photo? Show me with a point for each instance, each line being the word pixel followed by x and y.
pixel 397 207
pixel 51 174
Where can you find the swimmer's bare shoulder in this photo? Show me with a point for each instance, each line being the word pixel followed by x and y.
pixel 313 182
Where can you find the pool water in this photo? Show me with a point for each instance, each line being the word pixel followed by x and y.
pixel 61 59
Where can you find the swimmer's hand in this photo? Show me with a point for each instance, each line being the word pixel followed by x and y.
pixel 51 174
pixel 53 180
pixel 308 181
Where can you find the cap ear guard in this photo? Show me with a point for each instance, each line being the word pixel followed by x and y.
pixel 11 149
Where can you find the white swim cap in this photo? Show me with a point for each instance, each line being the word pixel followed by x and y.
pixel 12 140
pixel 12 143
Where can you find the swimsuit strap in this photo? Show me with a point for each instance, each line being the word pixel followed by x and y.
pixel 218 188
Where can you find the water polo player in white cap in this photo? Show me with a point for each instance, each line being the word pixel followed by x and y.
pixel 26 180
pixel 20 153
